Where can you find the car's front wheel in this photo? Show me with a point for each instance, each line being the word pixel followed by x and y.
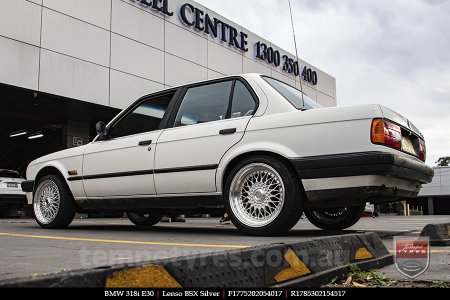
pixel 335 218
pixel 53 203
pixel 145 219
pixel 263 196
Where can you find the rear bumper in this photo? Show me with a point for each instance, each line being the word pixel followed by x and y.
pixel 354 196
pixel 357 178
pixel 27 186
pixel 364 163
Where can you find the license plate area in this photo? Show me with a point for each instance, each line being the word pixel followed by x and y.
pixel 408 146
pixel 12 185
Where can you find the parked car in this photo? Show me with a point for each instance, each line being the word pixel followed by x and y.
pixel 250 144
pixel 11 194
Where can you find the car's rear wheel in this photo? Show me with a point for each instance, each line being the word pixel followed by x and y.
pixel 53 203
pixel 263 196
pixel 335 218
pixel 145 219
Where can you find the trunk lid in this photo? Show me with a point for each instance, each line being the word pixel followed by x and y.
pixel 400 120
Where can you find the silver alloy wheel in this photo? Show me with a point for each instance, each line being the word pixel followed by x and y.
pixel 46 201
pixel 139 217
pixel 257 195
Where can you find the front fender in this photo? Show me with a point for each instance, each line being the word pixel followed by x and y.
pixel 63 166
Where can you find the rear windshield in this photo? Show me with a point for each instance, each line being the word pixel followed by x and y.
pixel 9 174
pixel 293 95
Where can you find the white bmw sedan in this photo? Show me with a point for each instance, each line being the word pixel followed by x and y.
pixel 250 145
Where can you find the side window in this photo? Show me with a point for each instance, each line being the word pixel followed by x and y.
pixel 144 118
pixel 243 102
pixel 204 104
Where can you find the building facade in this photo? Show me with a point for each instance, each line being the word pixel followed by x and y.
pixel 434 197
pixel 64 64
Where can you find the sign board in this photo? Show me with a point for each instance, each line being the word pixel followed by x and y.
pixel 77 141
pixel 412 255
pixel 218 29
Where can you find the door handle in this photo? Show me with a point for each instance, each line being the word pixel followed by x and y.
pixel 145 143
pixel 227 131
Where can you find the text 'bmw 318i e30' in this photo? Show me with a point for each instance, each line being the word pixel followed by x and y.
pixel 248 144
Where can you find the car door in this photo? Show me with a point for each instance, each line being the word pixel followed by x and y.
pixel 211 118
pixel 122 165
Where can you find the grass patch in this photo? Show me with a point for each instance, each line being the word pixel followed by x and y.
pixel 439 284
pixel 358 278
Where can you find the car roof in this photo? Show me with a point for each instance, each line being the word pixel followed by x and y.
pixel 244 76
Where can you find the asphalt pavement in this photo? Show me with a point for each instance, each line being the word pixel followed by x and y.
pixel 29 250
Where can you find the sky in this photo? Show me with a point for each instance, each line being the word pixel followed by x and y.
pixel 391 52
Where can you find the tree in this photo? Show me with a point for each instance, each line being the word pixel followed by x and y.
pixel 443 161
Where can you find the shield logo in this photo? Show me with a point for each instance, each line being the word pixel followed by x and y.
pixel 412 255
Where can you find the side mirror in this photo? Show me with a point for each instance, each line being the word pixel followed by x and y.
pixel 100 127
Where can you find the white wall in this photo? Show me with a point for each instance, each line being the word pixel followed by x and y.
pixel 111 52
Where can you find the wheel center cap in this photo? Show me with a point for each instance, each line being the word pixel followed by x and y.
pixel 259 195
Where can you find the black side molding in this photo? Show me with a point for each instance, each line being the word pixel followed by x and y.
pixel 144 172
pixel 27 186
pixel 111 175
pixel 186 169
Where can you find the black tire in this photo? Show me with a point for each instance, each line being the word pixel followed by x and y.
pixel 291 210
pixel 145 219
pixel 335 218
pixel 67 207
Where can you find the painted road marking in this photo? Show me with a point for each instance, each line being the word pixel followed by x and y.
pixel 62 238
pixel 151 276
pixel 363 254
pixel 296 268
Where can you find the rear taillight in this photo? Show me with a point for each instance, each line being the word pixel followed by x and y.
pixel 422 150
pixel 389 134
pixel 386 133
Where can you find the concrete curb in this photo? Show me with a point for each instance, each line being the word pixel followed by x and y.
pixel 439 234
pixel 309 263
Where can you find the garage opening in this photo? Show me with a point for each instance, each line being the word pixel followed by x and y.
pixel 35 124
